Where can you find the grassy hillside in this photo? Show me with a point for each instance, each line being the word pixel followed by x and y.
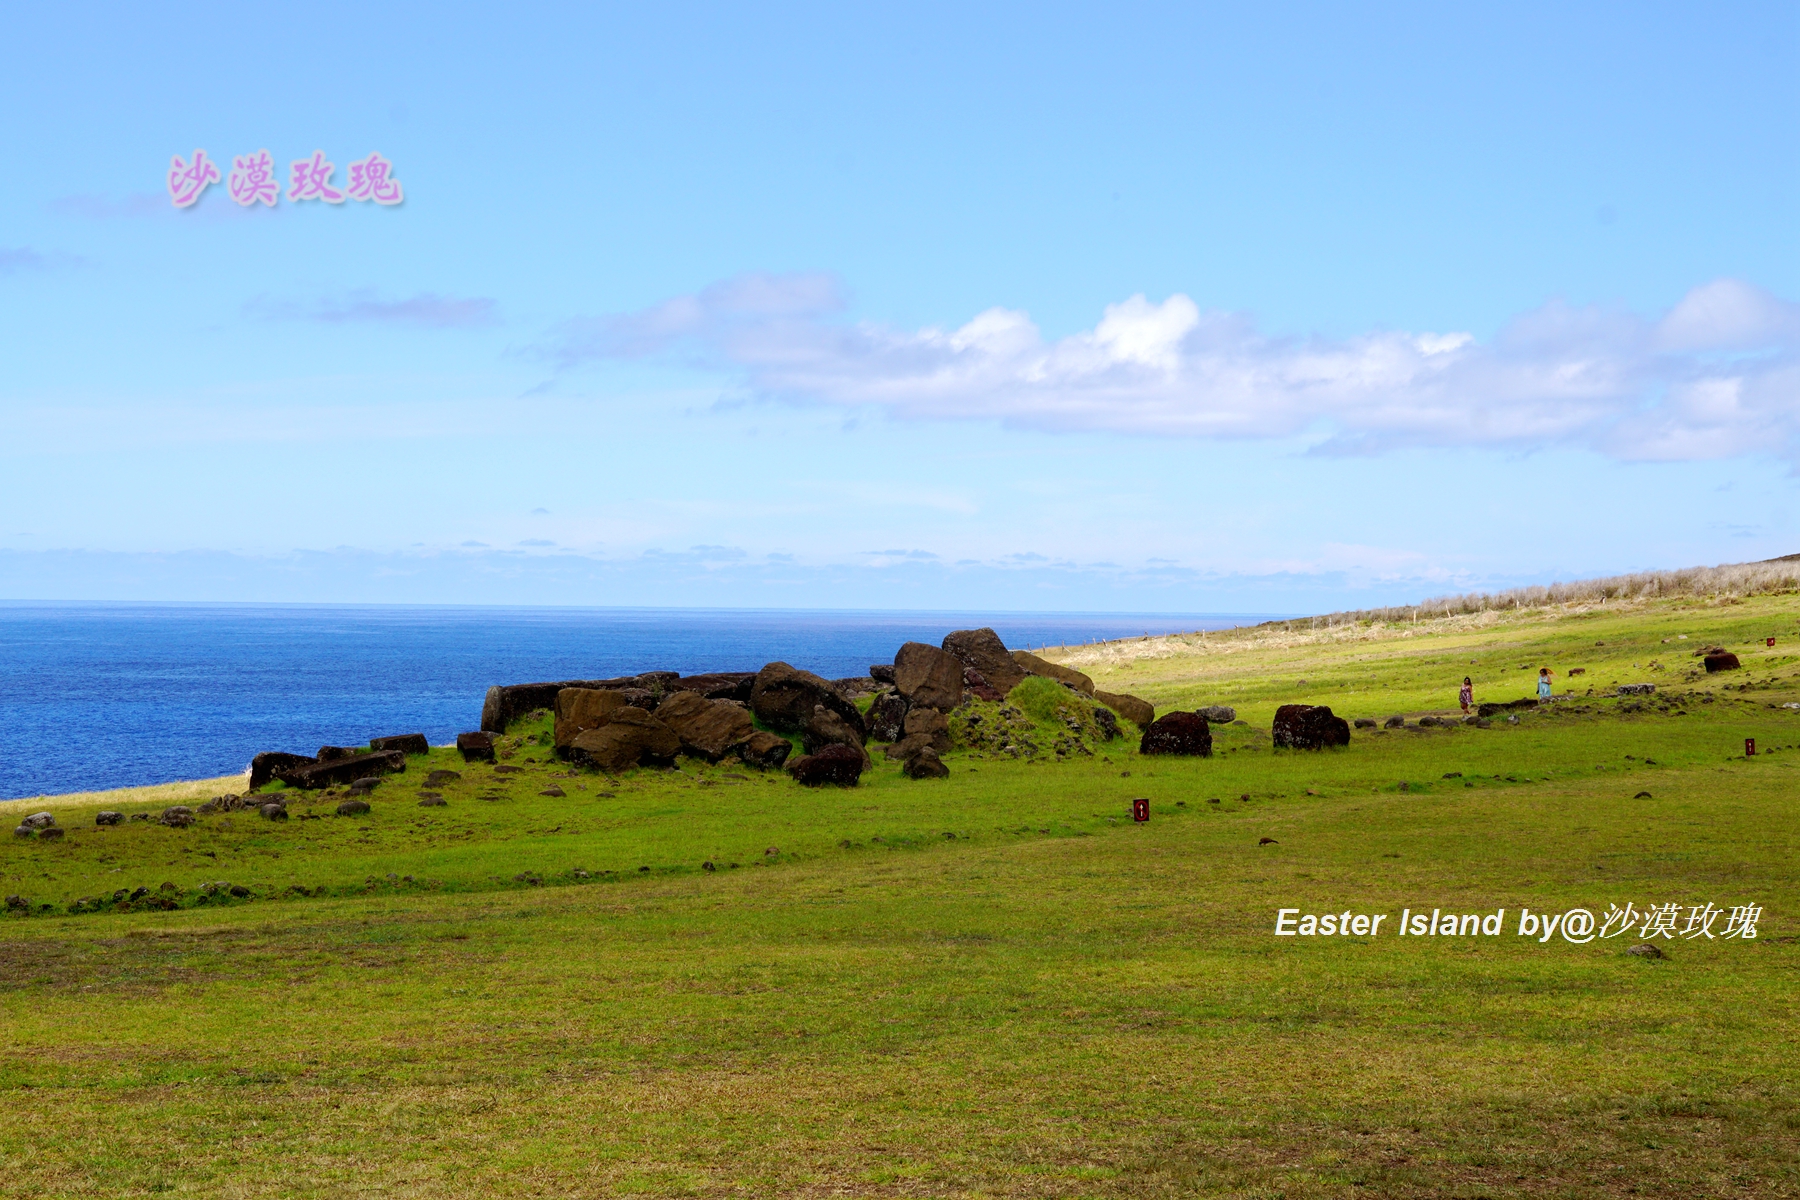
pixel 991 985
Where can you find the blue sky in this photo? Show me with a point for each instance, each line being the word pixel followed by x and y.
pixel 1183 308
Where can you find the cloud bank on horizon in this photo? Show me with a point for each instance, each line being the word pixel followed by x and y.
pixel 1717 375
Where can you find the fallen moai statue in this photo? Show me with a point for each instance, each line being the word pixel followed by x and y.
pixel 1309 727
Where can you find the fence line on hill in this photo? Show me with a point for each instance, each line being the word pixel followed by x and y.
pixel 1727 580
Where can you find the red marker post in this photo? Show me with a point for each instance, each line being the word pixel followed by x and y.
pixel 1140 810
pixel 1771 641
pixel 1749 747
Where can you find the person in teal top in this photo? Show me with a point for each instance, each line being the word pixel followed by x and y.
pixel 1543 683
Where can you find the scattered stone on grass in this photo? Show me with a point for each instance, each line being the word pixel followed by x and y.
pixel 553 790
pixel 827 728
pixel 1268 841
pixel 1642 796
pixel 352 808
pixel 1106 723
pixel 440 778
pixel 41 820
pixel 50 833
pixel 432 801
pixel 925 764
pixel 1394 722
pixel 176 816
pixel 274 811
pixel 1364 722
pixel 1218 714
pixel 108 818
pixel 1646 950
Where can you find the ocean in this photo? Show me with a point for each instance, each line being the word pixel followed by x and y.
pixel 99 696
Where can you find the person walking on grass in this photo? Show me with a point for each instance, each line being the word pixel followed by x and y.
pixel 1543 683
pixel 1467 695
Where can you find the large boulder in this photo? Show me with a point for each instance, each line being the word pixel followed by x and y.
pixel 784 697
pixel 1721 660
pixel 1138 712
pixel 581 709
pixel 630 738
pixel 930 723
pixel 1031 664
pixel 719 685
pixel 839 765
pixel 886 718
pixel 406 743
pixel 983 650
pixel 507 704
pixel 764 749
pixel 1309 727
pixel 265 766
pixel 928 677
pixel 826 728
pixel 882 673
pixel 344 770
pixel 1178 733
pixel 707 728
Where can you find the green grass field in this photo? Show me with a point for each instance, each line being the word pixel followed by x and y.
pixel 991 985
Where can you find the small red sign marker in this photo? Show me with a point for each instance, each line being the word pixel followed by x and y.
pixel 1771 641
pixel 1749 747
pixel 1140 810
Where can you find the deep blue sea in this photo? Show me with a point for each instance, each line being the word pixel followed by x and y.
pixel 102 696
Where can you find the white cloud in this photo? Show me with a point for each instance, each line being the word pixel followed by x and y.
pixel 1718 375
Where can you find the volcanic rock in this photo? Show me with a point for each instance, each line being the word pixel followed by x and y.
pixel 983 650
pixel 784 697
pixel 1138 712
pixel 1364 722
pixel 1178 733
pixel 344 770
pixel 1218 714
pixel 176 816
pixel 886 718
pixel 432 802
pixel 719 685
pixel 1031 664
pixel 274 811
pixel 707 728
pixel 976 683
pixel 578 710
pixel 406 743
pixel 108 818
pixel 928 677
pixel 505 705
pixel 1724 660
pixel 1498 708
pixel 925 764
pixel 1107 724
pixel 882 673
pixel 908 746
pixel 839 765
pixel 476 747
pixel 632 737
pixel 763 749
pixel 270 763
pixel 931 723
pixel 43 820
pixel 352 808
pixel 826 728
pixel 1309 727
